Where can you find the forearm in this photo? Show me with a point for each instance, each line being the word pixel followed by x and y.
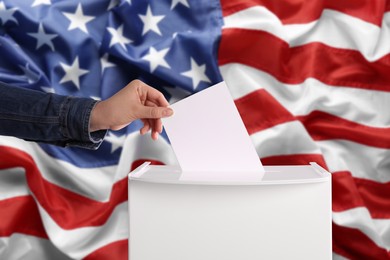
pixel 49 118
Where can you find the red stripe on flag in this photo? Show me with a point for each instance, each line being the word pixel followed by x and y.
pixel 118 250
pixel 301 11
pixel 353 244
pixel 345 193
pixel 68 209
pixel 324 126
pixel 376 197
pixel 350 192
pixel 337 67
pixel 294 159
pixel 20 215
pixel 259 110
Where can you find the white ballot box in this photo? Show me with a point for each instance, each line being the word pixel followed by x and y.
pixel 220 203
pixel 285 215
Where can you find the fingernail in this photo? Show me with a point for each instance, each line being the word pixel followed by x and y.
pixel 168 112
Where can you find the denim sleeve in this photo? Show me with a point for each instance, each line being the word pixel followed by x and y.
pixel 49 118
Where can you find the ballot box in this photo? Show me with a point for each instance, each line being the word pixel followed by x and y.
pixel 285 215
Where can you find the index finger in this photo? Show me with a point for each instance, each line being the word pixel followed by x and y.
pixel 156 97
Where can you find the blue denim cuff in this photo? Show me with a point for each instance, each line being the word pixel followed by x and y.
pixel 75 114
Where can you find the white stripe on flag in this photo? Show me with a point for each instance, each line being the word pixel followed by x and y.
pixel 284 139
pixel 338 257
pixel 378 230
pixel 13 183
pixel 147 149
pixel 94 183
pixel 80 242
pixel 333 28
pixel 361 160
pixel 20 246
pixel 361 106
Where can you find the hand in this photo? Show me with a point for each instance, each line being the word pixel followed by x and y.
pixel 135 101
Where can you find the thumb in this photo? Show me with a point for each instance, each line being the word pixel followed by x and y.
pixel 155 112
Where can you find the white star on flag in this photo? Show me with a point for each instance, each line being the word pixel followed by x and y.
pixel 73 72
pixel 43 37
pixel 196 73
pixel 41 2
pixel 176 2
pixel 115 141
pixel 118 37
pixel 104 63
pixel 78 20
pixel 156 58
pixel 150 21
pixel 7 14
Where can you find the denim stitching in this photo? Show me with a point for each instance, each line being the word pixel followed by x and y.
pixel 29 118
pixel 63 117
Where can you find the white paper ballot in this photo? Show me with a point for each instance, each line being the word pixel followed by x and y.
pixel 209 138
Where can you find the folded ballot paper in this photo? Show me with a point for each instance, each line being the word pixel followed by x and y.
pixel 210 140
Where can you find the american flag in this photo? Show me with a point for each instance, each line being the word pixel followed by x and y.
pixel 311 80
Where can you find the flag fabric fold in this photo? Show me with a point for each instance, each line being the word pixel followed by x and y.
pixel 310 81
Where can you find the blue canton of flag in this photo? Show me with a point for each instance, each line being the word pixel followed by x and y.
pixel 93 48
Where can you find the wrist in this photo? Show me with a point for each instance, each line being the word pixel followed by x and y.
pixel 97 121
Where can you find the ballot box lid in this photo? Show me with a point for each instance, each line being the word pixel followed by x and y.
pixel 286 174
